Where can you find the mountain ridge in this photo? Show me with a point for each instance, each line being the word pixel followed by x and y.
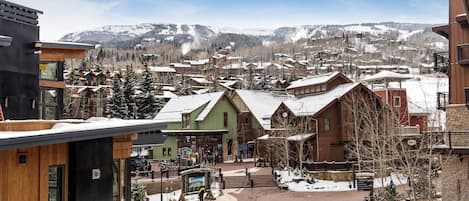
pixel 112 35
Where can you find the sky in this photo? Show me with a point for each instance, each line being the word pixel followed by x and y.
pixel 65 16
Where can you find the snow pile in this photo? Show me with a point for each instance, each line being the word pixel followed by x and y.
pixel 294 182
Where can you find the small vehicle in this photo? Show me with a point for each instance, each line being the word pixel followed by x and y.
pixel 139 164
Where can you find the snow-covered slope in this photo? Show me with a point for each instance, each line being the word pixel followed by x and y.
pixel 182 33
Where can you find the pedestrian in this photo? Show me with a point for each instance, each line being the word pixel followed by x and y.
pixel 201 193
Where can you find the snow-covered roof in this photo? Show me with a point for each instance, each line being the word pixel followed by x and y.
pixel 261 104
pixel 313 80
pixel 310 105
pixel 74 130
pixel 197 62
pixel 228 83
pixel 168 88
pixel 235 66
pixel 201 80
pixel 162 69
pixel 56 44
pixel 386 75
pixel 300 137
pixel 167 94
pixel 180 65
pixel 173 110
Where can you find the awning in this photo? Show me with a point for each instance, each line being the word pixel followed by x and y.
pixel 300 137
pixel 5 41
pixel 194 132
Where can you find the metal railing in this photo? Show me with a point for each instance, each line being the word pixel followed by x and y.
pixel 441 62
pixel 329 166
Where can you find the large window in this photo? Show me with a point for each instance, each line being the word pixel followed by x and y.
pixel 225 119
pixel 55 183
pixel 186 120
pixel 49 104
pixel 49 71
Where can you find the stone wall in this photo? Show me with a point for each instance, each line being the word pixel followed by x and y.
pixel 456 179
pixel 457 118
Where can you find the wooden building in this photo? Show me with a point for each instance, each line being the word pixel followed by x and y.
pixel 455 149
pixel 51 71
pixel 67 160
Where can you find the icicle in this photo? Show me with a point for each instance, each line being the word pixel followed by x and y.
pixel 6 102
pixel 33 106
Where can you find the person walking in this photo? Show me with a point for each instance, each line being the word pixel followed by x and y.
pixel 201 193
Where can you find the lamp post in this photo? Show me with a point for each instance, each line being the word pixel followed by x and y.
pixel 162 170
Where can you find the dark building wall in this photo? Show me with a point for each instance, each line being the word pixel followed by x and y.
pixel 19 71
pixel 84 157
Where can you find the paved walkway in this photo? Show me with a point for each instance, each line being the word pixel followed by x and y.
pixel 274 194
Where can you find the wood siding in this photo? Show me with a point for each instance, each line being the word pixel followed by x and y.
pixel 29 182
pixel 459 74
pixel 61 54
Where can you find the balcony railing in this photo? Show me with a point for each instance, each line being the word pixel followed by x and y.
pixel 442 100
pixel 441 62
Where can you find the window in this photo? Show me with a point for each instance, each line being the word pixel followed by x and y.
pixel 164 151
pixel 318 88
pixel 49 104
pixel 49 71
pixel 323 87
pixel 225 119
pixel 169 151
pixel 230 147
pixel 327 125
pixel 466 91
pixel 55 183
pixel 397 101
pixel 186 120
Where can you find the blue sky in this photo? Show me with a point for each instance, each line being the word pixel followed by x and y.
pixel 64 16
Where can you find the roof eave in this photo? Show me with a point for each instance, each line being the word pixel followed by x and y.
pixel 74 136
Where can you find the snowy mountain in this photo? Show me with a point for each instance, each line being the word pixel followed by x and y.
pixel 183 33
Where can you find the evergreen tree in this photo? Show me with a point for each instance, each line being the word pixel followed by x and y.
pixel 116 107
pixel 147 104
pixel 129 92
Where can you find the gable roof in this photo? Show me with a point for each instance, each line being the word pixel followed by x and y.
pixel 261 104
pixel 310 105
pixel 314 80
pixel 173 110
pixel 386 76
pixel 161 69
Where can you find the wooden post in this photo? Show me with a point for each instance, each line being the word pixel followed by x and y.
pixel 288 154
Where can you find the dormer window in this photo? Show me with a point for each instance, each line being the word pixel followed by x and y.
pixel 186 120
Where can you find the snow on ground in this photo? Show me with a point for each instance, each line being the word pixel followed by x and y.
pixel 287 178
pixel 166 196
pixel 175 195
